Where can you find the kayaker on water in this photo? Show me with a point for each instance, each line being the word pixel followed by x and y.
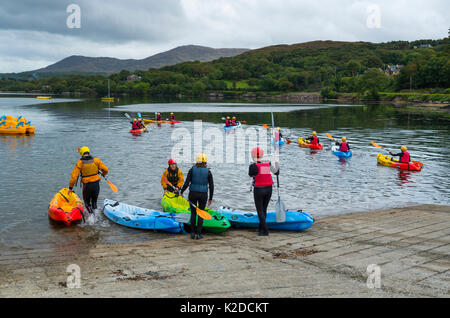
pixel 228 122
pixel 233 121
pixel 134 124
pixel 278 134
pixel 313 139
pixel 262 183
pixel 343 145
pixel 174 175
pixel 198 180
pixel 404 156
pixel 158 117
pixel 140 124
pixel 172 117
pixel 89 168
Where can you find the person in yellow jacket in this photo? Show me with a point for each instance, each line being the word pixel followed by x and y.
pixel 174 175
pixel 88 168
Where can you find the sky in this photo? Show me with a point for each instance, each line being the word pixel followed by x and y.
pixel 37 33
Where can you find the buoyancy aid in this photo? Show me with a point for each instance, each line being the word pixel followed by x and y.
pixel 135 125
pixel 173 176
pixel 227 123
pixel 343 147
pixel 88 168
pixel 199 181
pixel 405 158
pixel 264 177
pixel 314 140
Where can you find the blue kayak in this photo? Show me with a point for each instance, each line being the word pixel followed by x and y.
pixel 140 218
pixel 295 220
pixel 226 128
pixel 341 154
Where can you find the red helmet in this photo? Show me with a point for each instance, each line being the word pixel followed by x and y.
pixel 257 152
pixel 171 161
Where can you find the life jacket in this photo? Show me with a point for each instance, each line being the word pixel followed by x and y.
pixel 405 158
pixel 172 117
pixel 277 136
pixel 314 140
pixel 158 118
pixel 227 123
pixel 172 176
pixel 135 125
pixel 343 147
pixel 233 122
pixel 199 181
pixel 263 178
pixel 88 168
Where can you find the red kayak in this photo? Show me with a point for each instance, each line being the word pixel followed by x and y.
pixel 137 131
pixel 306 144
pixel 65 207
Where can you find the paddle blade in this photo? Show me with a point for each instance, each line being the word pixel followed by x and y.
pixel 329 136
pixel 128 116
pixel 288 140
pixel 375 145
pixel 265 126
pixel 112 186
pixel 418 163
pixel 203 214
pixel 244 121
pixel 280 211
pixel 182 217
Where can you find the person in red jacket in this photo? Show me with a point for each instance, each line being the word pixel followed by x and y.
pixel 343 145
pixel 140 124
pixel 228 122
pixel 134 124
pixel 404 156
pixel 233 121
pixel 158 117
pixel 172 117
pixel 314 139
pixel 262 183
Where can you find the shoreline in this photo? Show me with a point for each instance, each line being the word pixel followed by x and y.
pixel 410 245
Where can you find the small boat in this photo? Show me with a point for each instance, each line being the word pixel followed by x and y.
pixel 307 144
pixel 391 162
pixel 141 218
pixel 295 220
pixel 341 154
pixel 227 128
pixel 43 97
pixel 65 207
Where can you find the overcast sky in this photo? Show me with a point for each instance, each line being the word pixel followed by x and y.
pixel 34 33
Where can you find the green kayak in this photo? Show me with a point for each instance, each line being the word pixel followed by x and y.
pixel 177 204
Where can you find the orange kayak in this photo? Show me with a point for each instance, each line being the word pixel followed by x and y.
pixel 65 207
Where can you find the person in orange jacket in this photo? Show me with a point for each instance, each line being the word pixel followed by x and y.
pixel 88 168
pixel 174 175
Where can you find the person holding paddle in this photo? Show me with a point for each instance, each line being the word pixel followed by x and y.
pixel 262 183
pixel 198 180
pixel 89 168
pixel 343 145
pixel 404 156
pixel 174 175
pixel 314 140
pixel 228 122
pixel 172 117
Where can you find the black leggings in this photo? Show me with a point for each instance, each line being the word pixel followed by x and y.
pixel 262 198
pixel 199 198
pixel 90 194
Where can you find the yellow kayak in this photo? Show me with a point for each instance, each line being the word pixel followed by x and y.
pixel 391 162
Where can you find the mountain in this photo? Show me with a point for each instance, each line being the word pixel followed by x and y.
pixel 108 65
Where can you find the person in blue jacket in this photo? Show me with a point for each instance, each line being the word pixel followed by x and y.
pixel 199 179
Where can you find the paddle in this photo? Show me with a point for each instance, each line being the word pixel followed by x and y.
pixel 279 206
pixel 378 146
pixel 128 116
pixel 112 186
pixel 203 214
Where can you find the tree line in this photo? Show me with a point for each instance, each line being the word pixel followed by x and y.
pixel 329 67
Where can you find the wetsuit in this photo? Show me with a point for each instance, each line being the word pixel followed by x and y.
pixel 89 168
pixel 262 181
pixel 198 180
pixel 404 157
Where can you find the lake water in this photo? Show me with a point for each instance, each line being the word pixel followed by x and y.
pixel 34 168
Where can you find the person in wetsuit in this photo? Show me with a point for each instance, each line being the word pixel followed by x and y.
pixel 343 145
pixel 262 182
pixel 198 180
pixel 404 156
pixel 89 168
pixel 158 117
pixel 228 122
pixel 174 175
pixel 172 117
pixel 314 140
pixel 140 124
pixel 134 124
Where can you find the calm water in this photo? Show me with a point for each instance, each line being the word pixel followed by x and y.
pixel 33 168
